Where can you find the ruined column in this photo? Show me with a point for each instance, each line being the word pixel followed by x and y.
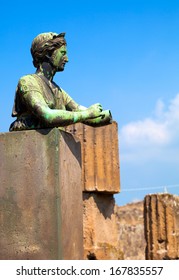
pixel 100 180
pixel 40 195
pixel 161 223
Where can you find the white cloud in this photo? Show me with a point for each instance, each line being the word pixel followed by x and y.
pixel 151 136
pixel 145 132
pixel 159 108
pixel 172 117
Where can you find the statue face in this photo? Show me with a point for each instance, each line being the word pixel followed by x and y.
pixel 59 58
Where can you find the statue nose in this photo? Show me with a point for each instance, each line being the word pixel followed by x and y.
pixel 66 58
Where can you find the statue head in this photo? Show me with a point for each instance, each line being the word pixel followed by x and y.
pixel 44 45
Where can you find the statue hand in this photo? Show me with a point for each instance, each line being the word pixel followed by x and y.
pixel 95 110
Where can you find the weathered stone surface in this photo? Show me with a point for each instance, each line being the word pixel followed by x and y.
pixel 130 224
pixel 101 238
pixel 40 196
pixel 100 157
pixel 161 216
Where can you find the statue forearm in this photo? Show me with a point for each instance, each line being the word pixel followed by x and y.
pixel 104 119
pixel 53 117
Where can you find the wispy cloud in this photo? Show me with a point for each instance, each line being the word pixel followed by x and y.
pixel 147 138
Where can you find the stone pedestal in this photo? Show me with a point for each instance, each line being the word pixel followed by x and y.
pixel 161 220
pixel 40 196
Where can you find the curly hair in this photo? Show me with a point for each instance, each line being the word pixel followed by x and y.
pixel 42 47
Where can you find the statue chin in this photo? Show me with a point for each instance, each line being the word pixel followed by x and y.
pixel 60 68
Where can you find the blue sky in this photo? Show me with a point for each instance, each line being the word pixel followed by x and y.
pixel 123 54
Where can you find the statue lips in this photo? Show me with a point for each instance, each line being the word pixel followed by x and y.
pixel 61 67
pixel 64 63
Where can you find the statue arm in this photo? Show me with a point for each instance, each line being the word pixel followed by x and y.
pixel 105 118
pixel 55 117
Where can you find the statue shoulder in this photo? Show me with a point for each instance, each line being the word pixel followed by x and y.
pixel 28 83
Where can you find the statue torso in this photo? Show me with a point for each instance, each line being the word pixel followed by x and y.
pixel 53 95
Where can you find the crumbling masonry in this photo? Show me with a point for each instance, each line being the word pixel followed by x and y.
pixel 161 224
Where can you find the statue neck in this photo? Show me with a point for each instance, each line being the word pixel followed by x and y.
pixel 46 70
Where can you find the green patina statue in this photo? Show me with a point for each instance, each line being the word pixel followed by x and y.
pixel 40 102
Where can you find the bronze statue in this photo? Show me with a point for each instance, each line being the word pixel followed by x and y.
pixel 40 102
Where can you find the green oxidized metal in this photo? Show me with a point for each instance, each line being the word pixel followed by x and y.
pixel 40 102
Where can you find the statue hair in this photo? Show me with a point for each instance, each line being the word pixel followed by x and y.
pixel 45 49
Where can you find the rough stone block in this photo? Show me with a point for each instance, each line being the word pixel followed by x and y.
pixel 130 224
pixel 161 221
pixel 100 157
pixel 101 237
pixel 40 196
